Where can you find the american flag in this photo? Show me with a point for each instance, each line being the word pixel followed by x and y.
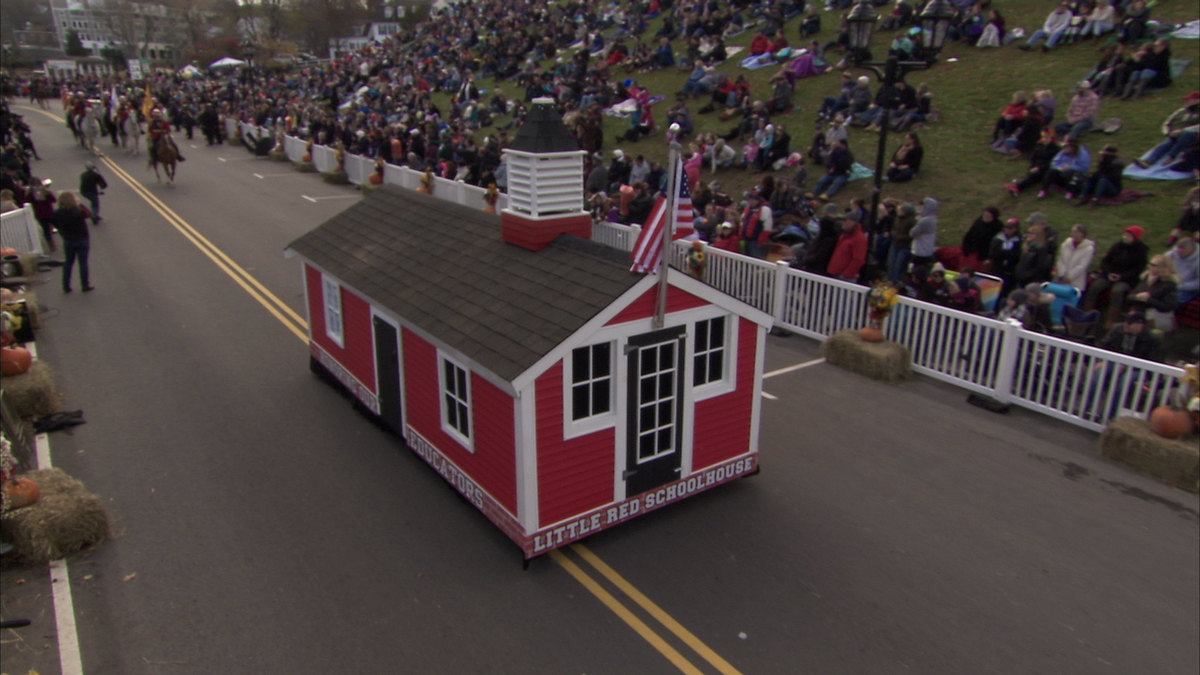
pixel 647 253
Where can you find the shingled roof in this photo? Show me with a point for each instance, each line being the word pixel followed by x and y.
pixel 543 130
pixel 443 268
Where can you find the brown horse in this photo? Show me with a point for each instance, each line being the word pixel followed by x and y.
pixel 166 154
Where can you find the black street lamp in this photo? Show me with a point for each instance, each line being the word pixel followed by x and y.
pixel 248 51
pixel 935 24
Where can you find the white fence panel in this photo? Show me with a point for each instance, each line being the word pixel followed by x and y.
pixel 323 158
pixel 748 279
pixel 819 307
pixel 1086 385
pixel 358 168
pixel 950 345
pixel 294 147
pixel 231 126
pixel 21 231
pixel 616 235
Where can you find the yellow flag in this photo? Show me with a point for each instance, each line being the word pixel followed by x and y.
pixel 147 102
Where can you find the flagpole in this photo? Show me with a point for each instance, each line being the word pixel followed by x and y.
pixel 660 309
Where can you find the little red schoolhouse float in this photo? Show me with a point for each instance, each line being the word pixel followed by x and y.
pixel 520 360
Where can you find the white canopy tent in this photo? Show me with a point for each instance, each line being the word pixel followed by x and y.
pixel 226 62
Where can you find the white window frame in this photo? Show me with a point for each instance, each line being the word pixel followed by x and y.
pixel 728 380
pixel 587 425
pixel 467 440
pixel 335 318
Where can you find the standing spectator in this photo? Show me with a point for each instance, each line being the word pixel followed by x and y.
pixel 71 220
pixel 1075 258
pixel 1119 270
pixel 757 226
pixel 1186 259
pixel 1005 251
pixel 7 201
pixel 43 201
pixel 640 171
pixel 850 254
pixel 1081 112
pixel 90 185
pixel 820 251
pixel 900 254
pixel 1036 261
pixel 925 234
pixel 979 237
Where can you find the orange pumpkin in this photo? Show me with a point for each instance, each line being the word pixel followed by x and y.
pixel 1171 422
pixel 22 492
pixel 376 179
pixel 871 334
pixel 15 361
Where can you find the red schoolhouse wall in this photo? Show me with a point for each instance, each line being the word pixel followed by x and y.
pixel 722 426
pixel 643 308
pixel 574 475
pixel 358 354
pixel 493 465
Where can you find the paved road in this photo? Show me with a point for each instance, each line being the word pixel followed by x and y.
pixel 273 530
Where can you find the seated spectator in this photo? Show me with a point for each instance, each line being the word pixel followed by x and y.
pixel 1150 68
pixel 936 289
pixel 966 295
pixel 1105 181
pixel 1156 294
pixel 1067 170
pixel 811 25
pixel 993 31
pixel 721 156
pixel 1011 117
pixel 1180 129
pixel 832 105
pixel 760 44
pixel 900 99
pixel 1108 75
pixel 1081 112
pixel 728 238
pixel 1120 269
pixel 641 205
pixel 1100 21
pixel 781 95
pixel 903 119
pixel 1133 25
pixel 1017 307
pixel 906 161
pixel 1185 258
pixel 839 164
pixel 1052 29
pixel 902 46
pixel 1189 218
pixel 1075 257
pixel 1040 158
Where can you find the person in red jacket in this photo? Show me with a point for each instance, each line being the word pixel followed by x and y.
pixel 760 44
pixel 851 252
pixel 158 129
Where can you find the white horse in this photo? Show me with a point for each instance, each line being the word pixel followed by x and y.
pixel 91 129
pixel 131 134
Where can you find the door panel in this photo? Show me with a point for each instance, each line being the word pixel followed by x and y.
pixel 655 409
pixel 387 374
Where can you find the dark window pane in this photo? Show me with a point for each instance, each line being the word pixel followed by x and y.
pixel 580 404
pixel 718 332
pixel 579 365
pixel 665 413
pixel 666 385
pixel 667 358
pixel 464 424
pixel 462 384
pixel 448 375
pixel 647 387
pixel 646 445
pixel 649 360
pixel 646 418
pixel 601 400
pixel 451 412
pixel 716 366
pixel 664 440
pixel 702 337
pixel 601 360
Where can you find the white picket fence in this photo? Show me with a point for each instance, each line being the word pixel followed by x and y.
pixel 1077 383
pixel 359 169
pixel 20 230
pixel 1067 380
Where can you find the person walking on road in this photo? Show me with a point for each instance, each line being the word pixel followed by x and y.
pixel 90 185
pixel 71 220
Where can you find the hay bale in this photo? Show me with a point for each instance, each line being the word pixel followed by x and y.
pixel 1130 441
pixel 889 362
pixel 305 167
pixel 32 306
pixel 65 519
pixel 29 265
pixel 33 394
pixel 335 177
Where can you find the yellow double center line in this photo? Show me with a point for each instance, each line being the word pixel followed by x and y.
pixel 299 327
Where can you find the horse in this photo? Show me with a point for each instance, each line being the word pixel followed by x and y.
pixel 90 129
pixel 131 134
pixel 166 154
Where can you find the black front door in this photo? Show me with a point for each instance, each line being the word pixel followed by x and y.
pixel 653 449
pixel 387 374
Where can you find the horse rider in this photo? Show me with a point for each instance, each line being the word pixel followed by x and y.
pixel 159 129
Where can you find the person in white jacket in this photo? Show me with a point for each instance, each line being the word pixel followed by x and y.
pixel 1075 257
pixel 1186 257
pixel 1052 30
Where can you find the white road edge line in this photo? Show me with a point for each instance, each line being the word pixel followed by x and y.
pixel 309 198
pixel 770 397
pixel 60 583
pixel 789 369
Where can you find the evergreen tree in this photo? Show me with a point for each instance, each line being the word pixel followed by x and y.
pixel 75 45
